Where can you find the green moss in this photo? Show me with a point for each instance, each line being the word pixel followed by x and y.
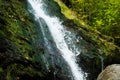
pixel 19 32
pixel 1 69
pixel 65 10
pixel 16 70
pixel 18 28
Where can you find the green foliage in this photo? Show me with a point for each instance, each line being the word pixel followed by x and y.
pixel 91 33
pixel 102 15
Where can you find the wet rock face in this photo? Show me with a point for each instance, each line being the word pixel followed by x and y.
pixel 111 72
pixel 21 44
pixel 52 8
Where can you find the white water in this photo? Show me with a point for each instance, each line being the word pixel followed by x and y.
pixel 58 32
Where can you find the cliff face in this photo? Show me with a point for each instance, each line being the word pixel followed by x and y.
pixel 19 42
pixel 22 52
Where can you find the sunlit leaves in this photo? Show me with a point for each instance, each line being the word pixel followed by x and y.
pixel 103 15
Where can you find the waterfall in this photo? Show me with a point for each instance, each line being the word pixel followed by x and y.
pixel 57 31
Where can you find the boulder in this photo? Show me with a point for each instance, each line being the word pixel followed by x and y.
pixel 111 72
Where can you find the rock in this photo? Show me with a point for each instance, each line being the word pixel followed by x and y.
pixel 111 72
pixel 21 44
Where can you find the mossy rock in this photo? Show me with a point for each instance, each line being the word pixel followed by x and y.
pixel 18 42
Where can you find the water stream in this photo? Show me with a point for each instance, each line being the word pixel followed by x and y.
pixel 58 33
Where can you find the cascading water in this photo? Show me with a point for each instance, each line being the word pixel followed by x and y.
pixel 58 33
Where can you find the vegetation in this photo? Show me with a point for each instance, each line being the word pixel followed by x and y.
pixel 18 43
pixel 98 23
pixel 102 15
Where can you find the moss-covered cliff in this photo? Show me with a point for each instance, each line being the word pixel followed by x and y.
pixel 18 43
pixel 21 43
